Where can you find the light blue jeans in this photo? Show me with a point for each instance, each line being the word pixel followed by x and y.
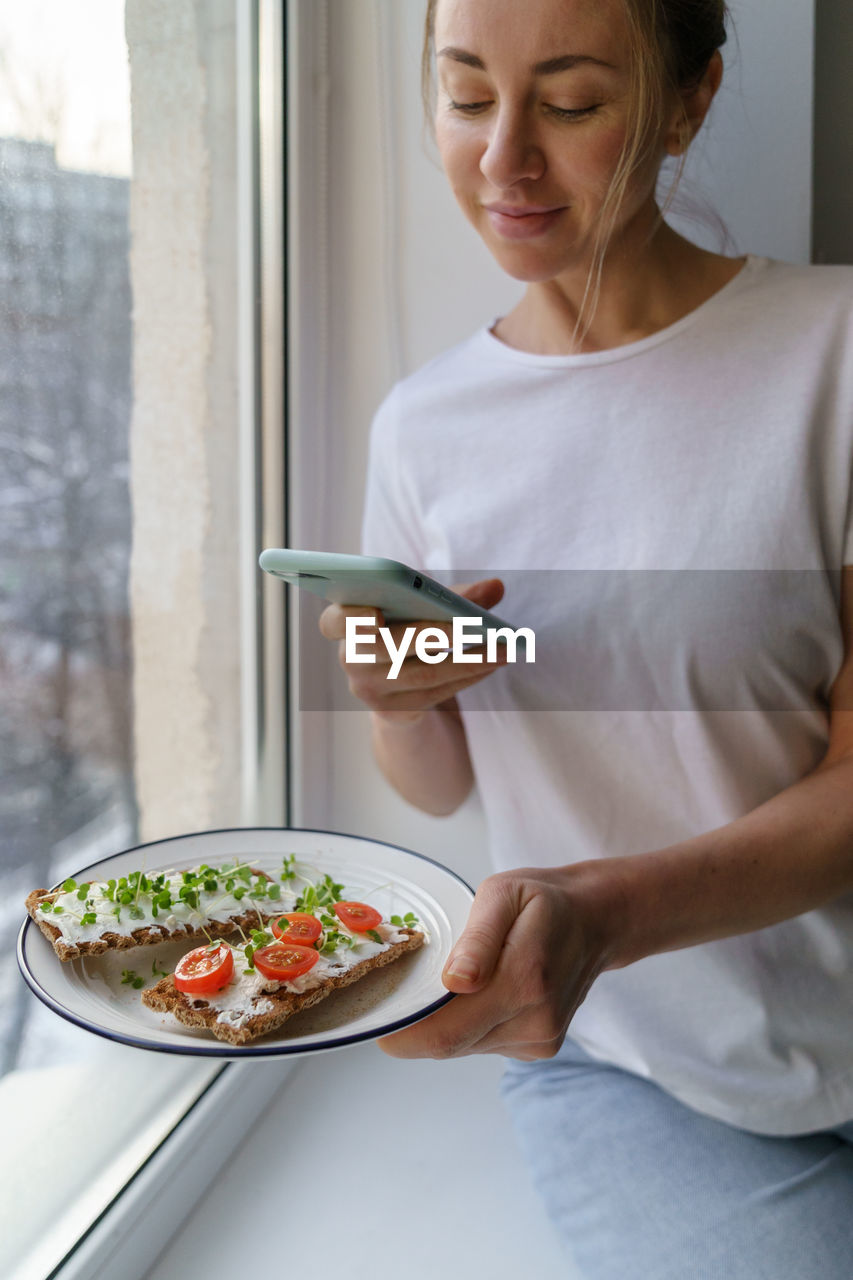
pixel 640 1187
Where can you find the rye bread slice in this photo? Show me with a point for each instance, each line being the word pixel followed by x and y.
pixel 196 1012
pixel 146 936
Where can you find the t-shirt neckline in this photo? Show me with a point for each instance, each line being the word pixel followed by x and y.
pixel 496 347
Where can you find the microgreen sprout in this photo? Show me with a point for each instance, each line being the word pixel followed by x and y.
pixel 158 973
pixel 323 894
pixel 260 938
pixel 196 894
pixel 332 937
pixel 405 922
pixel 130 978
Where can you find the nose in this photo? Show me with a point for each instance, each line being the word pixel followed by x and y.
pixel 512 152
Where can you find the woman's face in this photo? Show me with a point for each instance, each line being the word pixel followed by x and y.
pixel 532 114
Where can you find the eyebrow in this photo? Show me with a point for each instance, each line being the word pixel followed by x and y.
pixel 549 67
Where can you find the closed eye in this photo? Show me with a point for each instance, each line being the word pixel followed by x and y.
pixel 560 113
pixel 573 113
pixel 468 108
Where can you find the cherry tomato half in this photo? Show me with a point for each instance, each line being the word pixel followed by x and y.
pixel 357 916
pixel 297 926
pixel 205 969
pixel 283 961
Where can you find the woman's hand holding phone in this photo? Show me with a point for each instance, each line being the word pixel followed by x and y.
pixel 419 687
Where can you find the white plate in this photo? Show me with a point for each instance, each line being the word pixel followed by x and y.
pixel 90 993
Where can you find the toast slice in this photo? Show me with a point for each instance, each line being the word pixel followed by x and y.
pixel 137 911
pixel 250 1006
pixel 147 935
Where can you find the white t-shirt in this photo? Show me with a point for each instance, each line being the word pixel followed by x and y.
pixel 670 517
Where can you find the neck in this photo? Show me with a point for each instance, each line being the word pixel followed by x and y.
pixel 643 289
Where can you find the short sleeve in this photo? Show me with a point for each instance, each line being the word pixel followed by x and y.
pixel 390 525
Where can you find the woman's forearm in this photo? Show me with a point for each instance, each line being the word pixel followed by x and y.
pixel 790 855
pixel 425 760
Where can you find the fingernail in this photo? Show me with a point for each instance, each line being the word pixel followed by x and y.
pixel 463 967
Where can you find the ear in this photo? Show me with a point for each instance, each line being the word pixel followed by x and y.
pixel 693 106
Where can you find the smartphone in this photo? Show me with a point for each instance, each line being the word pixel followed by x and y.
pixel 403 594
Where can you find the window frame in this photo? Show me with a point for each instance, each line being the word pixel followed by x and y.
pixel 127 1236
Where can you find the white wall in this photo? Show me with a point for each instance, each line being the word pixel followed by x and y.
pixel 407 277
pixel 185 565
pixel 752 162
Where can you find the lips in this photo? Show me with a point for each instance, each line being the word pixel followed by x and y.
pixel 522 222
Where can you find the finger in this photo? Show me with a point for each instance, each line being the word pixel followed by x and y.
pixel 448 1033
pixel 416 684
pixel 530 1034
pixel 472 961
pixel 487 592
pixel 403 633
pixel 535 1051
pixel 332 620
pixel 495 1020
pixel 415 676
pixel 396 637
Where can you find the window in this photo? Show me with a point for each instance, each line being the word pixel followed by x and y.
pixel 129 482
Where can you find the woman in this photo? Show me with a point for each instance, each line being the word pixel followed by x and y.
pixel 653 449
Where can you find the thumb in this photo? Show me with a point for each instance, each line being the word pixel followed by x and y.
pixel 486 593
pixel 475 955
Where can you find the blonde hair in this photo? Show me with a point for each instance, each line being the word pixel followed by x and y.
pixel 672 43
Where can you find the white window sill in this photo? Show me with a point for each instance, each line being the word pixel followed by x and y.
pixel 76 1134
pixel 132 1230
pixel 401 1159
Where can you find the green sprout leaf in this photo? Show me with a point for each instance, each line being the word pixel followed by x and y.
pixel 129 978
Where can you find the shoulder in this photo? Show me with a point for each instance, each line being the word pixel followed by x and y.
pixel 438 384
pixel 799 312
pixel 818 286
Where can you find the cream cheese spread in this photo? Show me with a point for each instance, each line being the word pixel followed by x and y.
pixel 243 997
pixel 213 908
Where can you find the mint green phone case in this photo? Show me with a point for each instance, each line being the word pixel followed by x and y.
pixel 403 594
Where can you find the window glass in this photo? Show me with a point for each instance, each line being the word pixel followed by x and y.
pixel 67 793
